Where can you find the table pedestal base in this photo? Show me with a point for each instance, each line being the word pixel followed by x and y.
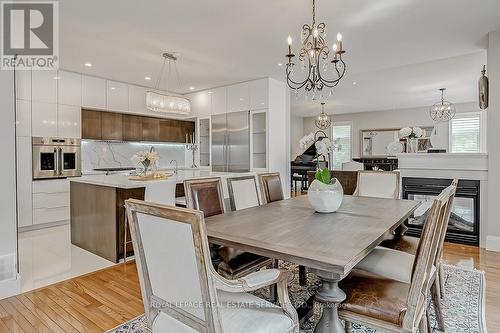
pixel 330 296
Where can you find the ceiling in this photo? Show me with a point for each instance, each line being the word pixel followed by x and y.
pixel 399 51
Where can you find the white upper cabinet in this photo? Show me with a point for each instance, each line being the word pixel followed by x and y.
pixel 44 119
pixel 117 96
pixel 218 100
pixel 69 121
pixel 44 86
pixel 93 92
pixel 137 99
pixel 259 94
pixel 201 103
pixel 238 97
pixel 23 85
pixel 70 88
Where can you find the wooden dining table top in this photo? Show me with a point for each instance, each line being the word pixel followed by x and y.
pixel 291 230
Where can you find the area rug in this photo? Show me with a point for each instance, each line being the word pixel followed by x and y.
pixel 463 306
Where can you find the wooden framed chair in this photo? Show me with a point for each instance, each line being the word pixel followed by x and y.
pixel 180 289
pixel 206 195
pixel 243 192
pixel 388 290
pixel 352 166
pixel 378 184
pixel 162 192
pixel 270 187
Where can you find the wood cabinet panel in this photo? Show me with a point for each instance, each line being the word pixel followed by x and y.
pixel 111 126
pixel 91 124
pixel 150 129
pixel 132 128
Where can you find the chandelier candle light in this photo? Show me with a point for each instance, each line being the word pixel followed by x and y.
pixel 323 121
pixel 315 60
pixel 442 110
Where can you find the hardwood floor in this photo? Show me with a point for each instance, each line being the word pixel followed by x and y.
pixel 104 299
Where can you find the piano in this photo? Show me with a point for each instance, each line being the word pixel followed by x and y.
pixel 305 162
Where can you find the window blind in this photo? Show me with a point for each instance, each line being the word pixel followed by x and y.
pixel 466 134
pixel 342 133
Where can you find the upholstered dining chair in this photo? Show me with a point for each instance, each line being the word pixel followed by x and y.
pixel 243 192
pixel 206 195
pixel 352 166
pixel 379 184
pixel 389 288
pixel 180 289
pixel 162 192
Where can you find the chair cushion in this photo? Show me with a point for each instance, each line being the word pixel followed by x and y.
pixel 376 297
pixel 388 263
pixel 406 244
pixel 236 262
pixel 239 312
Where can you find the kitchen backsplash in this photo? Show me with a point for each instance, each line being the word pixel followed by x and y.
pixel 105 154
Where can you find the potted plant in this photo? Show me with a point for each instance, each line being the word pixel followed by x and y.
pixel 411 134
pixel 147 159
pixel 325 193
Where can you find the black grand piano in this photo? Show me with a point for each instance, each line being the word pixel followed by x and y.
pixel 303 163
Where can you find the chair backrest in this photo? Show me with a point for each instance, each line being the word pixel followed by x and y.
pixel 426 255
pixel 378 184
pixel 352 166
pixel 243 192
pixel 439 254
pixel 172 256
pixel 162 192
pixel 270 187
pixel 205 194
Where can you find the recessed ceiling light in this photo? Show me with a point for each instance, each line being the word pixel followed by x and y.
pixel 210 92
pixel 280 64
pixel 147 78
pixel 191 88
pixel 354 83
pixel 113 88
pixel 88 64
pixel 56 77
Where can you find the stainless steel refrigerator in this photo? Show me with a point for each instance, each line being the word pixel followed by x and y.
pixel 231 142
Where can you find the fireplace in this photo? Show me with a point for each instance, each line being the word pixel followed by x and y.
pixel 463 226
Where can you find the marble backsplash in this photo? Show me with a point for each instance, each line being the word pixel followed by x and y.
pixel 105 154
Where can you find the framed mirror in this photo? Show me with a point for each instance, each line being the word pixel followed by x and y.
pixel 374 142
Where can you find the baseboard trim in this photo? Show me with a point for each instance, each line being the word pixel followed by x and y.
pixel 10 287
pixel 493 243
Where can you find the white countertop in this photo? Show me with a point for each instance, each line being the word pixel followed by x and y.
pixel 123 181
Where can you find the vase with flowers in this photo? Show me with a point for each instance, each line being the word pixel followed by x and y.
pixel 147 159
pixel 411 134
pixel 325 193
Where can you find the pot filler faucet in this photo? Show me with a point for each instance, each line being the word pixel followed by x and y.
pixel 174 161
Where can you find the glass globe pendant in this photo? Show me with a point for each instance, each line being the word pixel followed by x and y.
pixel 443 110
pixel 323 121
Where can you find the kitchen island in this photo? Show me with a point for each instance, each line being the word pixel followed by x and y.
pixel 97 208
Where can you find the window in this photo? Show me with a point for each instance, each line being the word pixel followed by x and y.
pixel 341 134
pixel 468 133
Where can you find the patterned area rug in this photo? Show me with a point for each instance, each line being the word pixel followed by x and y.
pixel 463 306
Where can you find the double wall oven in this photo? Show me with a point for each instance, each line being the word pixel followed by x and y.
pixel 56 157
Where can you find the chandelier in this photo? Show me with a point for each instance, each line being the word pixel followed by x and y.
pixel 442 110
pixel 323 121
pixel 163 102
pixel 319 70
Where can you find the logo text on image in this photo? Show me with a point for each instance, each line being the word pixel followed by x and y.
pixel 30 34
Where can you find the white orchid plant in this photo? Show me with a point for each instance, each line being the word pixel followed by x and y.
pixel 411 133
pixel 306 141
pixel 147 158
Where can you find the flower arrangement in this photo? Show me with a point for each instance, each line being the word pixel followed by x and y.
pixel 411 133
pixel 324 148
pixel 147 158
pixel 306 141
pixel 323 176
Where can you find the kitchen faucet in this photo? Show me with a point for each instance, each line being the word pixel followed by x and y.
pixel 174 161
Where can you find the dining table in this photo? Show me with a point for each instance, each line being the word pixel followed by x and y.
pixel 329 245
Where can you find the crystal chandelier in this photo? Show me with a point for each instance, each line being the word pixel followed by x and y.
pixel 315 61
pixel 323 121
pixel 167 103
pixel 442 110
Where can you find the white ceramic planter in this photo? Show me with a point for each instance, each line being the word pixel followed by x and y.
pixel 325 198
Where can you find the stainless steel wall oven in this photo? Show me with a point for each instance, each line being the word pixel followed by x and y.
pixel 56 157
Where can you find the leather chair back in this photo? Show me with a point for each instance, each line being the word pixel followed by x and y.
pixel 162 192
pixel 270 187
pixel 171 251
pixel 243 192
pixel 378 184
pixel 205 194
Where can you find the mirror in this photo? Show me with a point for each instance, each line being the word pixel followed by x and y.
pixel 375 142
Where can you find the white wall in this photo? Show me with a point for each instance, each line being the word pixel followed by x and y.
pixel 493 68
pixel 387 119
pixel 296 133
pixel 8 229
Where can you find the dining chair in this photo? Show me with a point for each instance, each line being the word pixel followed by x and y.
pixel 206 195
pixel 270 187
pixel 399 281
pixel 378 184
pixel 352 166
pixel 180 289
pixel 162 192
pixel 243 192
